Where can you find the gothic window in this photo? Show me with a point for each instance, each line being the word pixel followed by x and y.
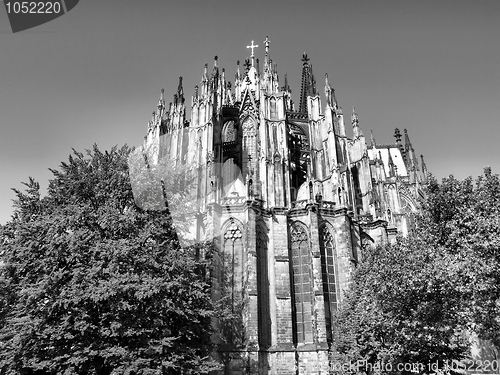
pixel 273 112
pixel 302 283
pixel 328 275
pixel 249 127
pixel 249 142
pixel 299 154
pixel 263 287
pixel 358 201
pixel 233 261
pixel 229 132
pixel 232 280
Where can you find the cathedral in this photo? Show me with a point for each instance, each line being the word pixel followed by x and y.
pixel 290 196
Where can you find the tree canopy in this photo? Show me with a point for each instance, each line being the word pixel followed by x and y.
pixel 93 284
pixel 417 301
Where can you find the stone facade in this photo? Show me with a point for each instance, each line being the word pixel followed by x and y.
pixel 289 199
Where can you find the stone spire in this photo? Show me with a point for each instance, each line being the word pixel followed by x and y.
pixel 392 172
pixel 408 145
pixel 308 86
pixel 180 91
pixel 161 103
pixel 238 74
pixel 266 51
pixel 330 94
pixel 397 135
pixel 204 81
pixel 286 87
pixel 409 151
pixel 372 139
pixel 355 123
pixel 424 168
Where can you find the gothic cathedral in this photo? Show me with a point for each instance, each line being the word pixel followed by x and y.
pixel 290 201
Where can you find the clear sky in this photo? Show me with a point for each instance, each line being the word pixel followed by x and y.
pixel 94 75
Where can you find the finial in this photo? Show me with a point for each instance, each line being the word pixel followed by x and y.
pixel 180 90
pixel 161 101
pixel 205 71
pixel 326 80
pixel 196 91
pixel 305 59
pixel 215 60
pixel 397 135
pixel 266 44
pixel 237 75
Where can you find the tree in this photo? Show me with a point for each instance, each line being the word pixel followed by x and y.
pixel 403 309
pixel 418 300
pixel 93 284
pixel 463 216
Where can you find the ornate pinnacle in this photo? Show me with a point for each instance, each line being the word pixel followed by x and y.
pixel 354 117
pixel 305 59
pixel 180 90
pixel 266 44
pixel 397 135
pixel 372 138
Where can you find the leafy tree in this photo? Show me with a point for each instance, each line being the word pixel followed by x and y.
pixel 463 216
pixel 93 284
pixel 416 301
pixel 402 308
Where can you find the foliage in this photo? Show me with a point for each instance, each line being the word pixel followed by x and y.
pixel 463 216
pixel 403 308
pixel 93 284
pixel 415 301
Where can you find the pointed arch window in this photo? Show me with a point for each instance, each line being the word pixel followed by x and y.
pixel 233 262
pixel 264 318
pixel 273 113
pixel 229 132
pixel 302 282
pixel 328 275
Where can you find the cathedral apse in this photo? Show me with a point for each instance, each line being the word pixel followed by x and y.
pixel 289 197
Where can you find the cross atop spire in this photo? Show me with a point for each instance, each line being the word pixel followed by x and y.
pixel 252 46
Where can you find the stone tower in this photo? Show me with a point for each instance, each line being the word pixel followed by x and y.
pixel 290 200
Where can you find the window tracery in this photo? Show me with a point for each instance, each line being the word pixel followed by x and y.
pixel 302 282
pixel 328 275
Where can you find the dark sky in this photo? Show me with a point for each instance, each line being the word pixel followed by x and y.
pixel 94 75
